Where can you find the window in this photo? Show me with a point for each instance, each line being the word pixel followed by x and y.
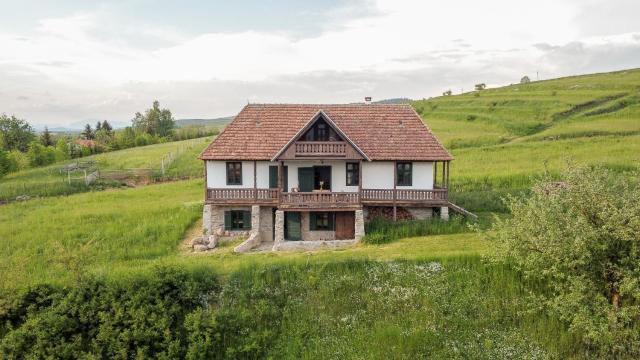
pixel 353 174
pixel 322 221
pixel 234 173
pixel 403 173
pixel 237 220
pixel 322 133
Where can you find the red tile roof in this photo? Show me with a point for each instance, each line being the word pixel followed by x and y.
pixel 382 132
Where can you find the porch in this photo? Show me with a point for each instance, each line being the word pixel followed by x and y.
pixel 328 200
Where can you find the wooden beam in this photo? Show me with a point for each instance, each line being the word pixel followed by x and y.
pixel 255 181
pixel 395 181
pixel 360 180
pixel 435 174
pixel 205 179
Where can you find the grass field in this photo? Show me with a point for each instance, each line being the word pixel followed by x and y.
pixel 48 181
pixel 425 296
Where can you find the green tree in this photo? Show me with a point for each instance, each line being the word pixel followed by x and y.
pixel 40 155
pixel 62 150
pixel 45 138
pixel 155 121
pixel 107 127
pixel 98 126
pixel 17 134
pixel 88 133
pixel 581 236
pixel 5 165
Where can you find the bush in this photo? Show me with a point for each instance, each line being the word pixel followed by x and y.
pixel 144 318
pixel 40 155
pixel 580 236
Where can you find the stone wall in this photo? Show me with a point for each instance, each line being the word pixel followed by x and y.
pixel 359 225
pixel 266 224
pixel 216 222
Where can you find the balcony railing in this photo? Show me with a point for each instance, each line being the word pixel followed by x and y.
pixel 326 198
pixel 320 148
pixel 402 195
pixel 242 195
pixel 320 199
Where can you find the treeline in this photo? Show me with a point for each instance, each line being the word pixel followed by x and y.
pixel 21 147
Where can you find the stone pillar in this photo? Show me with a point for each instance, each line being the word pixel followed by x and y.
pixel 279 229
pixel 444 213
pixel 255 221
pixel 207 226
pixel 359 231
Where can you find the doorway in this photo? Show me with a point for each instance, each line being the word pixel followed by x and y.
pixel 314 178
pixel 292 230
pixel 345 225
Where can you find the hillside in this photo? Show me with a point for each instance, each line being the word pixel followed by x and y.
pixel 217 122
pixel 429 296
pixel 503 137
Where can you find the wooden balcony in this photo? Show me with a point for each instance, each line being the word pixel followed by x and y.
pixel 320 200
pixel 326 199
pixel 404 197
pixel 320 149
pixel 242 196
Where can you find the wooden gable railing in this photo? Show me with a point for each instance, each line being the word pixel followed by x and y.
pixel 320 148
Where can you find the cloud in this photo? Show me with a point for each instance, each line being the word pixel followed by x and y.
pixel 96 65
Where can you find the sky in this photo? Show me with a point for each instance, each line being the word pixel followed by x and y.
pixel 67 62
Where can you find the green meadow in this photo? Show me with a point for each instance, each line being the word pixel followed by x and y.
pixel 49 181
pixel 421 293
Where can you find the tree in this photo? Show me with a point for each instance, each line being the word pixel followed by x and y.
pixel 98 126
pixel 107 127
pixel 525 80
pixel 88 134
pixel 17 134
pixel 62 150
pixel 581 237
pixel 480 86
pixel 45 137
pixel 447 93
pixel 155 121
pixel 40 155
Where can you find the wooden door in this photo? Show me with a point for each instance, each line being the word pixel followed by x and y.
pixel 292 229
pixel 345 225
pixel 305 179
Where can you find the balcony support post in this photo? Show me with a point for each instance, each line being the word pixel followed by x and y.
pixel 255 181
pixel 395 195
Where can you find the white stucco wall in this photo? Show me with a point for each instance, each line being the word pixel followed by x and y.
pixel 217 174
pixel 379 175
pixel 375 174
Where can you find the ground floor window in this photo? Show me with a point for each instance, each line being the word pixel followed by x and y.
pixel 322 221
pixel 237 220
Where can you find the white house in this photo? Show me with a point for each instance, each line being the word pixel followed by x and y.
pixel 293 175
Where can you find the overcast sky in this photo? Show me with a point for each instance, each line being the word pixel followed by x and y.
pixel 69 61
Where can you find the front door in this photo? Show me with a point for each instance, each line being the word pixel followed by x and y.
pixel 292 229
pixel 345 225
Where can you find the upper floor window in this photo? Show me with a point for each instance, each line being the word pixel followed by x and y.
pixel 404 173
pixel 353 174
pixel 234 173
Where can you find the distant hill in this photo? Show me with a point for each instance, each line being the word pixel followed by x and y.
pixel 218 122
pixel 394 101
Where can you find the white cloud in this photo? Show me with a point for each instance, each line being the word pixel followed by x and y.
pixel 91 65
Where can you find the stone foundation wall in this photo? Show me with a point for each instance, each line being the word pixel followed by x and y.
pixel 402 213
pixel 213 220
pixel 266 224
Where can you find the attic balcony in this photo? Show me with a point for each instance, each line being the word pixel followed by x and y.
pixel 320 149
pixel 327 200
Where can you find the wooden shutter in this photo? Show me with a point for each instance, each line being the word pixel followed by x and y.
pixel 305 179
pixel 332 222
pixel 246 220
pixel 313 222
pixel 227 220
pixel 273 177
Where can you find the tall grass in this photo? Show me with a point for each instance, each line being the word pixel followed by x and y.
pixel 382 231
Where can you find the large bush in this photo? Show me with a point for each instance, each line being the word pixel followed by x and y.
pixel 581 236
pixel 143 318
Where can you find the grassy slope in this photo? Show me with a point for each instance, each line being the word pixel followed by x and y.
pixel 503 137
pixel 47 181
pixel 134 229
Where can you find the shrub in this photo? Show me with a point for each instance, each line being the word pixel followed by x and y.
pixel 580 235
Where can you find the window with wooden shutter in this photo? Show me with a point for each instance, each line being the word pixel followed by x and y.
pixel 321 221
pixel 353 174
pixel 237 220
pixel 404 173
pixel 234 173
